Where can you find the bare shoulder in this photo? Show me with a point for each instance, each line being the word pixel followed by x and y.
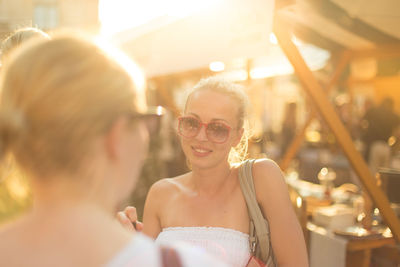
pixel 161 195
pixel 167 187
pixel 269 182
pixel 273 197
pixel 266 171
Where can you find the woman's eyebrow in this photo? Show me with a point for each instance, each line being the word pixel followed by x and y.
pixel 194 114
pixel 218 119
pixel 214 119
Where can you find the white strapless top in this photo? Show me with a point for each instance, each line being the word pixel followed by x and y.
pixel 229 245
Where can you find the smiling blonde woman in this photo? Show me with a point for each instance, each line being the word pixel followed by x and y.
pixel 206 207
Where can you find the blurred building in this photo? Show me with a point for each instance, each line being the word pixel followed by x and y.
pixel 48 15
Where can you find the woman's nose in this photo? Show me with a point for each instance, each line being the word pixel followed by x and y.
pixel 202 135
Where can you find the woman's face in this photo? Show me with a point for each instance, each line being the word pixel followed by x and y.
pixel 208 106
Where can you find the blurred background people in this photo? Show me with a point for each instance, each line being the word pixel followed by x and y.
pixel 289 126
pixel 75 120
pixel 380 124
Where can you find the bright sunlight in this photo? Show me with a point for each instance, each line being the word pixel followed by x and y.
pixel 119 15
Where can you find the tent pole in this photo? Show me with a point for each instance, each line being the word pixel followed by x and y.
pixel 294 146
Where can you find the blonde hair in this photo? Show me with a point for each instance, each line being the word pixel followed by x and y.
pixel 56 96
pixel 20 36
pixel 220 85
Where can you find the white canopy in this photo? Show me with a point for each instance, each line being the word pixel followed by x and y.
pixel 225 30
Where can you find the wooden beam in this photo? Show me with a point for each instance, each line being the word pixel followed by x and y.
pixel 350 82
pixel 279 4
pixel 309 35
pixel 339 16
pixel 381 51
pixel 344 60
pixel 326 109
pixel 294 146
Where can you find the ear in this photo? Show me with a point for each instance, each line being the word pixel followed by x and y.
pixel 238 137
pixel 114 139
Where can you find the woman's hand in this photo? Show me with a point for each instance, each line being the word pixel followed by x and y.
pixel 128 219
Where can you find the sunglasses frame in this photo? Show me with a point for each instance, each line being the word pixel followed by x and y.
pixel 154 113
pixel 205 127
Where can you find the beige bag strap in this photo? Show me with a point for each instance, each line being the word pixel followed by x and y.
pixel 257 221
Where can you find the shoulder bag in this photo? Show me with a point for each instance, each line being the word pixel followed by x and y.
pixel 259 234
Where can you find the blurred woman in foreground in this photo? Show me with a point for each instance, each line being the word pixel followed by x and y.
pixel 20 36
pixel 14 204
pixel 75 121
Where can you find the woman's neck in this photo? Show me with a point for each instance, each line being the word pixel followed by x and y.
pixel 211 180
pixel 73 225
pixel 72 212
pixel 68 194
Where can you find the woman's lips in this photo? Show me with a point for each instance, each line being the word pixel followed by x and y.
pixel 201 151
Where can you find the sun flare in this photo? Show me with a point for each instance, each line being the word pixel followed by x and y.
pixel 119 15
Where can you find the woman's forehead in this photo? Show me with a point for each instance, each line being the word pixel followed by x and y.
pixel 209 94
pixel 212 105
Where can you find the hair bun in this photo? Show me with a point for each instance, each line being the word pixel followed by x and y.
pixel 12 127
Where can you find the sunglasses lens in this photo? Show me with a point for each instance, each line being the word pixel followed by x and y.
pixel 217 132
pixel 188 127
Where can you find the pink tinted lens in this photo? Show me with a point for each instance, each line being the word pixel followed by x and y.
pixel 217 132
pixel 188 126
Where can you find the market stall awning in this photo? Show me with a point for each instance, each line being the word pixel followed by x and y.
pixel 339 24
pixel 222 31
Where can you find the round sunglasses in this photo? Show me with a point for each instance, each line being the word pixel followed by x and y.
pixel 217 132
